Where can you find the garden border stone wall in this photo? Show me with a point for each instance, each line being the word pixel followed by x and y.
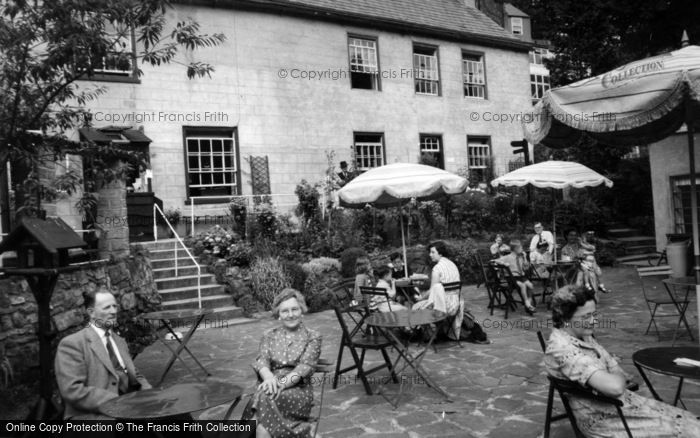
pixel 128 278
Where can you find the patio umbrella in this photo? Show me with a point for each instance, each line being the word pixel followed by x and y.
pixel 554 175
pixel 641 102
pixel 396 184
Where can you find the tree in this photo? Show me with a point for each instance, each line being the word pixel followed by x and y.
pixel 46 47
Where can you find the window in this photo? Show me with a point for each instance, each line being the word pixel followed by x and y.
pixel 479 158
pixel 425 69
pixel 474 75
pixel 431 150
pixel 538 55
pixel 682 211
pixel 119 60
pixel 369 151
pixel 538 85
pixel 364 71
pixel 212 162
pixel 516 25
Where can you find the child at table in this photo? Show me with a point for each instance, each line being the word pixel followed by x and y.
pixel 589 274
pixel 386 282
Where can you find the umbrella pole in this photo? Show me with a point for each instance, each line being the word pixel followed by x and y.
pixel 693 201
pixel 554 226
pixel 403 244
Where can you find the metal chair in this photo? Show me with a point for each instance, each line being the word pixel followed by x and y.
pixel 356 336
pixel 346 287
pixel 369 292
pixel 546 283
pixel 655 296
pixel 508 286
pixel 566 389
pixel 453 288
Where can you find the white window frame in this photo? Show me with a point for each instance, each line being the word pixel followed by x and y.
pixel 478 152
pixel 229 174
pixel 362 56
pixel 539 84
pixel 426 70
pixel 368 154
pixel 538 55
pixel 516 25
pixel 123 45
pixel 474 75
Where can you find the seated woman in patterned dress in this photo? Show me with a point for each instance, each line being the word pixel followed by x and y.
pixel 574 354
pixel 288 353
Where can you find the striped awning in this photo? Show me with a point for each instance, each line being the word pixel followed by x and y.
pixel 553 174
pixel 638 103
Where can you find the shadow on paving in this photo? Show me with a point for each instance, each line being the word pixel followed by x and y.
pixel 497 390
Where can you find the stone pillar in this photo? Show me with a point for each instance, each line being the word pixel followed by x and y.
pixel 112 218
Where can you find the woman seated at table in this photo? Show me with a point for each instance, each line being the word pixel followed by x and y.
pixel 378 303
pixel 518 266
pixel 499 248
pixel 573 354
pixel 363 276
pixel 282 402
pixel 579 250
pixel 541 260
pixel 444 271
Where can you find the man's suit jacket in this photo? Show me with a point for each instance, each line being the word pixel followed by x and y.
pixel 85 374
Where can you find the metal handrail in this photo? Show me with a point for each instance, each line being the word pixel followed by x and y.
pixel 189 254
pixel 230 197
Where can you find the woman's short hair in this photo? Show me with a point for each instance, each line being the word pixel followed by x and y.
pixel 362 265
pixel 566 300
pixel 440 247
pixel 287 294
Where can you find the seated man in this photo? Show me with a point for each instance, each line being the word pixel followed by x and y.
pixel 542 236
pixel 94 365
pixel 518 265
pixel 398 270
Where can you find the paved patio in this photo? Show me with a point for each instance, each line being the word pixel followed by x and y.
pixel 498 390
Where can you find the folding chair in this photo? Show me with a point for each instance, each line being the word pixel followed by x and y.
pixel 546 286
pixel 482 257
pixel 369 292
pixel 358 337
pixel 493 285
pixel 566 389
pixel 453 288
pixel 654 296
pixel 346 287
pixel 507 287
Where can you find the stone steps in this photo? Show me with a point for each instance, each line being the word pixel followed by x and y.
pixel 180 291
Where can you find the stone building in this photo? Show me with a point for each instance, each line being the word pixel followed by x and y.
pixel 372 82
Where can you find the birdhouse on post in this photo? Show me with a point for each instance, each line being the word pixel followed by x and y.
pixel 41 243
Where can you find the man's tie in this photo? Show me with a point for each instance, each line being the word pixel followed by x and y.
pixel 121 371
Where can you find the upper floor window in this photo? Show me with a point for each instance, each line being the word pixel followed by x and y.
pixel 364 67
pixel 516 25
pixel 212 162
pixel 120 59
pixel 474 75
pixel 369 150
pixel 538 85
pixel 425 68
pixel 538 55
pixel 431 150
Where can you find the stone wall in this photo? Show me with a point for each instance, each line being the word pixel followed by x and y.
pixel 130 279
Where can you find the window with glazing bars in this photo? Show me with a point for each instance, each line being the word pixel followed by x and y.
pixel 425 69
pixel 479 152
pixel 369 151
pixel 363 63
pixel 431 150
pixel 537 56
pixel 474 76
pixel 538 85
pixel 120 59
pixel 516 25
pixel 212 166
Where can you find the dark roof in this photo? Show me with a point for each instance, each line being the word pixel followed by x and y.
pixel 52 234
pixel 99 135
pixel 512 11
pixel 440 18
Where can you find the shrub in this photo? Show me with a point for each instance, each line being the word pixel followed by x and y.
pixel 322 274
pixel 347 260
pixel 268 278
pixel 296 274
pixel 462 254
pixel 266 220
pixel 239 212
pixel 321 265
pixel 239 254
pixel 217 241
pixel 308 208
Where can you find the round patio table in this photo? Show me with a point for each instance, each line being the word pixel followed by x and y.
pixel 176 400
pixel 660 360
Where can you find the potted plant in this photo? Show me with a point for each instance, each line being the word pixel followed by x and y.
pixel 173 216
